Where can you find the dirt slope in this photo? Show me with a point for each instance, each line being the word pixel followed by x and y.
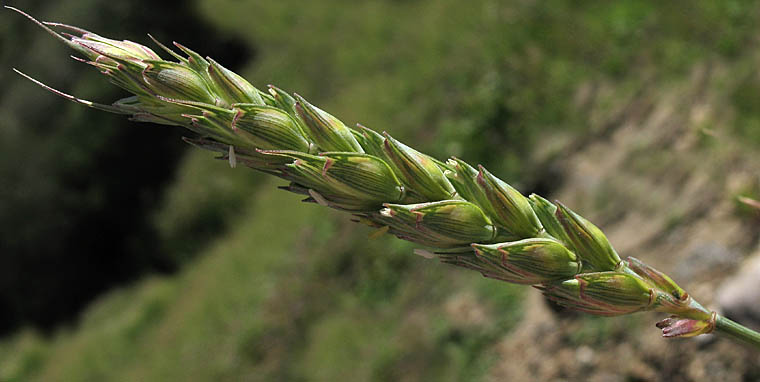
pixel 661 178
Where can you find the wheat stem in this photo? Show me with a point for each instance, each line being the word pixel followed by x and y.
pixel 737 331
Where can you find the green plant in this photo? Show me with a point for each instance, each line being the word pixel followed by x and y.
pixel 467 215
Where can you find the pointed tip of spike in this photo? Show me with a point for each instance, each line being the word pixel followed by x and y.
pixel 94 105
pixel 17 11
pixel 166 49
pixel 43 26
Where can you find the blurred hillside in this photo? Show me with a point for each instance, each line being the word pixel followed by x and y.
pixel 641 116
pixel 79 189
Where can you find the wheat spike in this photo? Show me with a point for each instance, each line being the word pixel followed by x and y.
pixel 466 215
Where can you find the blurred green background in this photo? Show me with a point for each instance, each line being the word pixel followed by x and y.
pixel 125 255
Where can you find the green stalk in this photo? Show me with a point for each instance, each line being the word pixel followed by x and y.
pixel 736 331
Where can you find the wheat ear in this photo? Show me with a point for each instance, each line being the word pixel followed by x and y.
pixel 468 216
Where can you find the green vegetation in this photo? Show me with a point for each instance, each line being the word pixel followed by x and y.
pixel 289 291
pixel 274 303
